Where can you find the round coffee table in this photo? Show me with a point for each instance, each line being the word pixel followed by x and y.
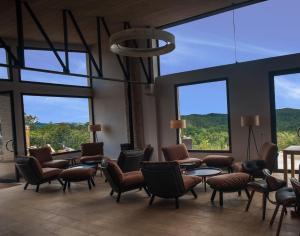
pixel 204 172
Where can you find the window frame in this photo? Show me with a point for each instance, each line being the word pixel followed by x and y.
pixel 8 68
pixel 176 86
pixel 91 112
pixel 273 117
pixel 88 76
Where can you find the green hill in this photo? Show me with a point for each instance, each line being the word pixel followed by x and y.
pixel 288 119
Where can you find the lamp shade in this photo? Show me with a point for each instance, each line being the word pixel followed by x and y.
pixel 95 128
pixel 177 124
pixel 250 120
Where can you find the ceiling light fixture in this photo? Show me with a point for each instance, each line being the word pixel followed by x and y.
pixel 117 39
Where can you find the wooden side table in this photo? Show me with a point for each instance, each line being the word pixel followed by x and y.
pixel 291 150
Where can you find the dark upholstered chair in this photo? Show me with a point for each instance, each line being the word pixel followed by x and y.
pixel 180 154
pixel 268 155
pixel 34 174
pixel 126 146
pixel 164 180
pixel 43 155
pixel 148 152
pixel 285 197
pixel 91 152
pixel 122 182
pixel 296 187
pixel 264 186
pixel 130 160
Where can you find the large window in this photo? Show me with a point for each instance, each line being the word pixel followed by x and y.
pixel 287 105
pixel 43 59
pixel 3 60
pixel 204 106
pixel 263 30
pixel 59 122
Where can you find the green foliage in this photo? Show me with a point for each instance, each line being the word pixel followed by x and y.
pixel 59 135
pixel 208 132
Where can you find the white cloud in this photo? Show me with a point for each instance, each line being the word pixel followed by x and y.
pixel 287 88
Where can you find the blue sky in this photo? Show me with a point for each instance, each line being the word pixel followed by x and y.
pixel 263 30
pixel 57 109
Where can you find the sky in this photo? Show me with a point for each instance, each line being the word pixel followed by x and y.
pixel 263 30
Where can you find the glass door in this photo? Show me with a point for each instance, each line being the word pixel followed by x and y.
pixel 287 113
pixel 7 146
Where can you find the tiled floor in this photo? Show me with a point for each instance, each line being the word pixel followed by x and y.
pixel 95 212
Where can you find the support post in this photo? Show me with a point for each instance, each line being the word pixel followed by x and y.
pixel 20 34
pixel 66 41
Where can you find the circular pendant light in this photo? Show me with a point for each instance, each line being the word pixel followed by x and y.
pixel 117 39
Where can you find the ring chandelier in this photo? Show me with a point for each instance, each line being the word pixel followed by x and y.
pixel 117 39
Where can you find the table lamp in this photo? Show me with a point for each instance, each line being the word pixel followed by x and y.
pixel 94 129
pixel 178 124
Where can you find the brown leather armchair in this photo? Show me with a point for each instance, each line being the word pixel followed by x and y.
pixel 34 174
pixel 43 155
pixel 122 182
pixel 91 152
pixel 179 153
pixel 268 155
pixel 164 179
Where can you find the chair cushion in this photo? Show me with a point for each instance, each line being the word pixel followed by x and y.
pixel 133 178
pixel 197 161
pixel 285 196
pixel 258 185
pixel 190 181
pixel 41 154
pixel 49 173
pixel 60 164
pixel 115 171
pixel 92 149
pixel 237 167
pixel 175 152
pixel 77 173
pixel 91 158
pixel 229 182
pixel 218 160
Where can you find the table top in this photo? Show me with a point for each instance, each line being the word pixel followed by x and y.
pixel 292 149
pixel 204 171
pixel 71 158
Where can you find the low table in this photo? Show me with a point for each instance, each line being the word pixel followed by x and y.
pixel 204 172
pixel 71 160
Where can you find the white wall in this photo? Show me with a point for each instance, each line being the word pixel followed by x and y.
pixel 248 94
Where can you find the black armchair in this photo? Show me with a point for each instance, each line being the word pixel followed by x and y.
pixel 164 179
pixel 130 160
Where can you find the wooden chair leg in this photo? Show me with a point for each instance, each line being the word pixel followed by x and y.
pixel 176 203
pixel 151 200
pixel 264 206
pixel 119 197
pixel 37 188
pixel 147 191
pixel 111 192
pixel 247 193
pixel 59 180
pixel 274 214
pixel 250 200
pixel 280 220
pixel 240 193
pixel 221 198
pixel 92 181
pixel 89 183
pixel 194 194
pixel 26 185
pixel 212 198
pixel 69 184
pixel 65 185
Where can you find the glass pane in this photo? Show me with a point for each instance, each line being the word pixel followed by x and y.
pixel 3 60
pixel 199 44
pixel 204 107
pixel 268 29
pixel 43 59
pixel 287 104
pixel 7 155
pixel 59 122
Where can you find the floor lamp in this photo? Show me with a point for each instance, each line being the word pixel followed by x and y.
pixel 250 121
pixel 178 124
pixel 94 129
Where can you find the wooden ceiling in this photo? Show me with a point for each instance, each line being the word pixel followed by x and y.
pixel 137 12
